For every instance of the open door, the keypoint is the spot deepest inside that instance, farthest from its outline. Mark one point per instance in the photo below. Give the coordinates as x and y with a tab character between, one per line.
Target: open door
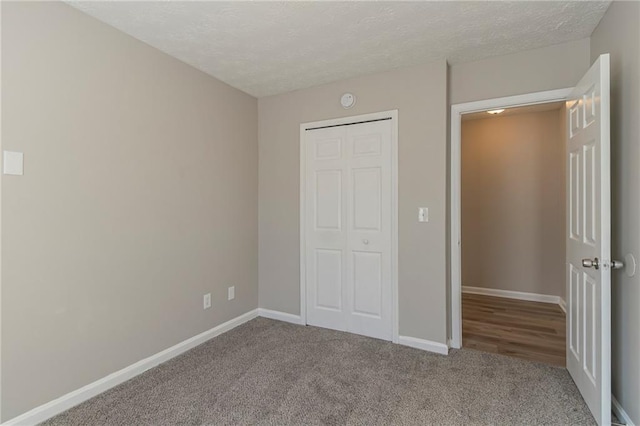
589	240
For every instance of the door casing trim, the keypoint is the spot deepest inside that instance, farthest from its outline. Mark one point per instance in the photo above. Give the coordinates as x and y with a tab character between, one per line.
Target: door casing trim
394	209
457	111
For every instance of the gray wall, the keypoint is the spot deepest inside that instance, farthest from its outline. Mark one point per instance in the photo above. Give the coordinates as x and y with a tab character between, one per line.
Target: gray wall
139	196
419	94
619	35
513	202
548	68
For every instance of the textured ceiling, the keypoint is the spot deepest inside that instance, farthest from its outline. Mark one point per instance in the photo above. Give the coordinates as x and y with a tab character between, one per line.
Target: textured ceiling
265	48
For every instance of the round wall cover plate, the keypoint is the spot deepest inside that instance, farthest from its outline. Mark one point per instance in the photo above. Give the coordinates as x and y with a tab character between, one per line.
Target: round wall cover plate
630	265
347	100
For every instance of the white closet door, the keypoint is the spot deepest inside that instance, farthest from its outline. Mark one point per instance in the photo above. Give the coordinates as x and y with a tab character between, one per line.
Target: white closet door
326	230
369	229
348	228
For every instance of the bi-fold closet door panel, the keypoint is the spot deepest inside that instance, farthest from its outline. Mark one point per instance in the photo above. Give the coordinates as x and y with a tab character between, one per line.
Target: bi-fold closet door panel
348	228
326	227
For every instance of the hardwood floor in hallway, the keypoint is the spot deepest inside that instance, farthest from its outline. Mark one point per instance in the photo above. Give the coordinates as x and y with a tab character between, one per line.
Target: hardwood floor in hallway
528	330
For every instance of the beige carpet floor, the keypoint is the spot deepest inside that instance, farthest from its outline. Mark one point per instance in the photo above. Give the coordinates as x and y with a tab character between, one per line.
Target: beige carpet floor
272	373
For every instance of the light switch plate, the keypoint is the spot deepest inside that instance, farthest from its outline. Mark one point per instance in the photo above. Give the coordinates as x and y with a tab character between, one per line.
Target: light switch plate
13	163
423	214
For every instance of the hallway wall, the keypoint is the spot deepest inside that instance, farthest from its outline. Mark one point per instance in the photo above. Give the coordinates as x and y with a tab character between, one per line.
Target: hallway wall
513	207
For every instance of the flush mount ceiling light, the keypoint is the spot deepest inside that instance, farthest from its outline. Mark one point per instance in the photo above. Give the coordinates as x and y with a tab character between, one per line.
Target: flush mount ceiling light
495	111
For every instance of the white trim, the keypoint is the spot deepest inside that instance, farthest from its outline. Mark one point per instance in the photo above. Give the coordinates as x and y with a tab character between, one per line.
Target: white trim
280	316
508	294
563	305
456	234
425	345
303	215
394	209
619	412
1	178
57	406
395	219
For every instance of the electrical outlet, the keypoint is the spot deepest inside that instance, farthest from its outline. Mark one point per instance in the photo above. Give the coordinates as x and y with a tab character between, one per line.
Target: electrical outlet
206	301
231	293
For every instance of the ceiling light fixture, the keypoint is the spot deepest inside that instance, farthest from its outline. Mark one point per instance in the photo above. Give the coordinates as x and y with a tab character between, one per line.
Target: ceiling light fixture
495	111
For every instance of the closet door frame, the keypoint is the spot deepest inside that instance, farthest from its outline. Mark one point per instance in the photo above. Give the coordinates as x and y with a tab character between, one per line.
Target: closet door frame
393	116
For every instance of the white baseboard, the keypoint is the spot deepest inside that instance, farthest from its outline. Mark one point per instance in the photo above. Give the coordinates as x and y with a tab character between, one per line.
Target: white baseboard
532	297
425	345
563	305
619	412
280	316
57	406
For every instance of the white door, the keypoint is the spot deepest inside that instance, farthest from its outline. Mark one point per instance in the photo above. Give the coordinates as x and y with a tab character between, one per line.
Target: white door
348	228
588	240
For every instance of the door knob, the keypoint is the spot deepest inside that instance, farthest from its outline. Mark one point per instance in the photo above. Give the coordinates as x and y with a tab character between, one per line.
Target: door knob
617	264
588	263
365	242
